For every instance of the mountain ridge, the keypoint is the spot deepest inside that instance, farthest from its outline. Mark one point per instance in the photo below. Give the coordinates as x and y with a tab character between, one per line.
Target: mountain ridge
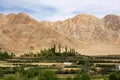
87	34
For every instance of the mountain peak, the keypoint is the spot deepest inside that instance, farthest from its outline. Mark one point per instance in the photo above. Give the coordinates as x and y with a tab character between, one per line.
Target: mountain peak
84	15
20	18
112	22
111	16
85	19
23	14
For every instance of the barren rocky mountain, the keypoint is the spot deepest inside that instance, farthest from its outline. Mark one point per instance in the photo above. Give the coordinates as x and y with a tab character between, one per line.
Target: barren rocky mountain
89	35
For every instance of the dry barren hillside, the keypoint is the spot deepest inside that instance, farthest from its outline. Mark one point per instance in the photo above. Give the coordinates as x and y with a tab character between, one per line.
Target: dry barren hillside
88	34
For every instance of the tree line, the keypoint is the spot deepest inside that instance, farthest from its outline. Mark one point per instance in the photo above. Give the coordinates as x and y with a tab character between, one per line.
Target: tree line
53	51
6	55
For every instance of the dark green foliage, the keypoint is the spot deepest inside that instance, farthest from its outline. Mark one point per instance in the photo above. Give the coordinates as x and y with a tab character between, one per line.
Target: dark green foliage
85	77
77	77
1	72
54	49
52	52
47	52
6	55
11	78
47	75
83	61
94	69
31	73
105	71
114	76
84	70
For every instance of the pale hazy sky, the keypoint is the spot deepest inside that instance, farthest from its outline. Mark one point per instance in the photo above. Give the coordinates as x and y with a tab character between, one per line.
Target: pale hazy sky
60	9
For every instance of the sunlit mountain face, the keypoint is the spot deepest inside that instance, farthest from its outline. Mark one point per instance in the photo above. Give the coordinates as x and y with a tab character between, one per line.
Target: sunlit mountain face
88	34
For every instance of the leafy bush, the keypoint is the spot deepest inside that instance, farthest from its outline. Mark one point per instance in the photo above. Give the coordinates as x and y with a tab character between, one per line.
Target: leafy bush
47	75
114	76
84	76
11	78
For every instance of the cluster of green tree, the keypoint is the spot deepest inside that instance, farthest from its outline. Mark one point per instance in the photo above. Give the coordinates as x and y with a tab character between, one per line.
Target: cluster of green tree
11	78
114	76
33	74
83	61
105	71
83	76
47	75
44	74
6	70
52	52
6	55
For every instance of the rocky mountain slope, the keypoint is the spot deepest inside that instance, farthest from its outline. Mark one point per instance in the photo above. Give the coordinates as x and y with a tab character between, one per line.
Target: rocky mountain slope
88	34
